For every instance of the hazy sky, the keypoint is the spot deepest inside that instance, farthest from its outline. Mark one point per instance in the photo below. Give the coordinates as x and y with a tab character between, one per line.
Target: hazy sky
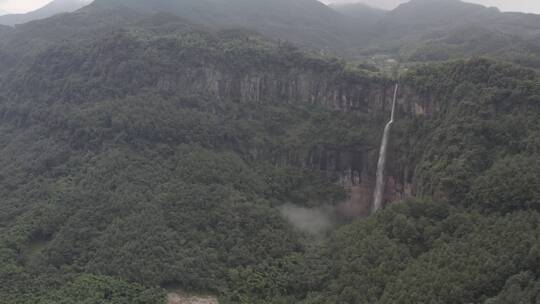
533	6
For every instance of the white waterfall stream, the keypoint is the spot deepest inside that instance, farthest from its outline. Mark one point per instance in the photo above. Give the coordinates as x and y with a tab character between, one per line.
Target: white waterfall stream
380	179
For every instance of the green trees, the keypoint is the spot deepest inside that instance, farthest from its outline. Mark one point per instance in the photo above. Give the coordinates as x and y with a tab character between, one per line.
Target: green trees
511	184
90	289
521	288
484	113
470	267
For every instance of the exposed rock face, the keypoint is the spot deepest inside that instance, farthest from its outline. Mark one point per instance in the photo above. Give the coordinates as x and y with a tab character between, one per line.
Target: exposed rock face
366	95
361	193
414	104
357	169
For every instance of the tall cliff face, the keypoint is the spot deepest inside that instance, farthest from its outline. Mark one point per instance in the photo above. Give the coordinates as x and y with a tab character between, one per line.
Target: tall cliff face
328	88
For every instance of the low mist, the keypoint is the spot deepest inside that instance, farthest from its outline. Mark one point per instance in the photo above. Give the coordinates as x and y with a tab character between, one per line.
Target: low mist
310	220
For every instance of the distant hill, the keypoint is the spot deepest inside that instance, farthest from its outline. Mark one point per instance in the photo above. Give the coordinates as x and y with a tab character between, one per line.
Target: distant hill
51	9
419	17
360	12
420	30
307	23
426	30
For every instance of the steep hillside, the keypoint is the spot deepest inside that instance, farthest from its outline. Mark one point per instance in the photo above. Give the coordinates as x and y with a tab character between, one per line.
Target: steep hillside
115	163
51	9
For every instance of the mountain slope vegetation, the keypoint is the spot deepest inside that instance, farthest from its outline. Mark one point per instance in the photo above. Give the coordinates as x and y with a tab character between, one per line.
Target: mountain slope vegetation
87	196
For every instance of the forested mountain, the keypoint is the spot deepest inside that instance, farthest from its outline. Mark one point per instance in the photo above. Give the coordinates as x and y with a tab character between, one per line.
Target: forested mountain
422	30
51	9
307	23
144	152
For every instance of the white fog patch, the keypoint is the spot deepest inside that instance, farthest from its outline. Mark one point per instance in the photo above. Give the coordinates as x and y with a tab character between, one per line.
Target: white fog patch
310	220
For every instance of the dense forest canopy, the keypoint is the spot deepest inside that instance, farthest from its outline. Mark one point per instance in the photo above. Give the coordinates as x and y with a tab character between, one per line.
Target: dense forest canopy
142	153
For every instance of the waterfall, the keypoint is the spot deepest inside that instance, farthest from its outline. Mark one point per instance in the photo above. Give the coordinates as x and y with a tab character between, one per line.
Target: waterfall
380	180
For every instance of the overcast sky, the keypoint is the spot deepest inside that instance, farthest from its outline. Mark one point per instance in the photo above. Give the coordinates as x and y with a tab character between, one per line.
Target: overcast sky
533	6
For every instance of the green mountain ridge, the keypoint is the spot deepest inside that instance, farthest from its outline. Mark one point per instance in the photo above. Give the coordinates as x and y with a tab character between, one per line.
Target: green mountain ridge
411	32
307	23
